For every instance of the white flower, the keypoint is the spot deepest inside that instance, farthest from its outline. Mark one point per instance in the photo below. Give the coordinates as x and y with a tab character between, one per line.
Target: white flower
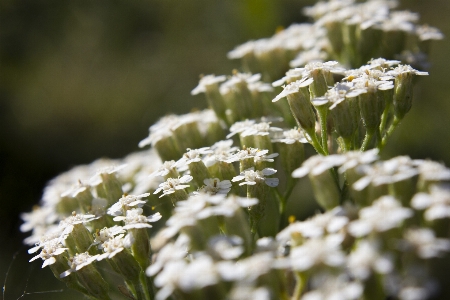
135	219
224	146
433	171
193	155
390	171
401	69
167	279
239	127
40	216
291	76
206	81
51	233
252	177
106	233
173	184
68	223
384	214
316	165
358	158
199	273
425	32
262	128
436	204
306	77
424	242
223	151
237	79
125	203
226	247
321	8
246	270
293	88
414	293
252	153
214	186
227	206
318	251
164	169
377	63
330	287
337	94
78	262
291	136
170	252
111	247
51	249
366	258
330	222
241	50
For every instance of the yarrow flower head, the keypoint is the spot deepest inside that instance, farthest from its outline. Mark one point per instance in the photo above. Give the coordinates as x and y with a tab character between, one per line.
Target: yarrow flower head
252	177
206	82
127	202
106	233
135	219
384	214
214	186
78	262
50	250
173	184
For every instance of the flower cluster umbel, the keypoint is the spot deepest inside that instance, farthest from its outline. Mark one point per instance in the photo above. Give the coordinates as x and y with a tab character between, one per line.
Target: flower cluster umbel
209	212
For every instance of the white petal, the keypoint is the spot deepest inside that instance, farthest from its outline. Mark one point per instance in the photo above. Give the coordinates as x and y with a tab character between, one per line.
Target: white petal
272	182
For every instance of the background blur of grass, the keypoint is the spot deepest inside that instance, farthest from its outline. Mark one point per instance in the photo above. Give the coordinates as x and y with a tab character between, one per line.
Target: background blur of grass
84	79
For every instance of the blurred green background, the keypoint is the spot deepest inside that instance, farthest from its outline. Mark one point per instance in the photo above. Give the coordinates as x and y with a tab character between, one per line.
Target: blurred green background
81	80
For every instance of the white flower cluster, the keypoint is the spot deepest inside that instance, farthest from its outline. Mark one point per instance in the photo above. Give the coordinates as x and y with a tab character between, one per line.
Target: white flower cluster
209	212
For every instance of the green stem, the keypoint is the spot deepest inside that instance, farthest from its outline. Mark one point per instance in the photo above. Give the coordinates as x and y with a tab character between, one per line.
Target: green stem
367	139
379	139
311	136
348	144
391	129
282	208
344	192
335	175
299	285
384	118
139	287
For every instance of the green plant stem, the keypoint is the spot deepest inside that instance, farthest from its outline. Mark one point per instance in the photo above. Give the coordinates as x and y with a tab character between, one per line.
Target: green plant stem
348	144
299	285
384	118
379	139
311	136
344	192
282	207
367	139
391	129
335	175
143	287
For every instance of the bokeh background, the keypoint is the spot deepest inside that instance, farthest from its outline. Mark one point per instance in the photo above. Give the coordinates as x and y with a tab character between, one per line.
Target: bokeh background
81	80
